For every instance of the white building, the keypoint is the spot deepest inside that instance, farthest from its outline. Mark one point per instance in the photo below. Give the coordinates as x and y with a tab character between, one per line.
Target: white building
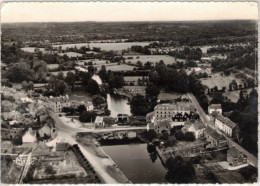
99	122
197	128
216	108
89	106
58	103
226	125
29	136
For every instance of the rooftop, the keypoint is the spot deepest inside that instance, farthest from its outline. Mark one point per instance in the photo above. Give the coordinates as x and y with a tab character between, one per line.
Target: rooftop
226	121
233	152
214	134
215	106
174	106
62	146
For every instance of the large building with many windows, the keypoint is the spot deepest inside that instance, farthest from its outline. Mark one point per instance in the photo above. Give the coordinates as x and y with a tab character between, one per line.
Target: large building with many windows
226	125
169	111
57	103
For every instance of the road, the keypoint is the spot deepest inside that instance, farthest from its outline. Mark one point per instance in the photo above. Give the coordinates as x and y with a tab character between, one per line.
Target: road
205	119
69	133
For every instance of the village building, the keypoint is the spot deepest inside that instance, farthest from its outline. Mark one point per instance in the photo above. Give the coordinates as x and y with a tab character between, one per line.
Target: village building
99	122
215	108
162	125
198	128
178	111
88	105
134	90
58	103
226	125
122	119
29	136
62	147
215	139
235	157
48	130
149	117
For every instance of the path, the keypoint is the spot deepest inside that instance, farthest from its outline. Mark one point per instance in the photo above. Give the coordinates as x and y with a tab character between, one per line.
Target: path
205	119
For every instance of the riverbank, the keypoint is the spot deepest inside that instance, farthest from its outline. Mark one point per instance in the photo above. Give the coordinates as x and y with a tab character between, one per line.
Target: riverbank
89	143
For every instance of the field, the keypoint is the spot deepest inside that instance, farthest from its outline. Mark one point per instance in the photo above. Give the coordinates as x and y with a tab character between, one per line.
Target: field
94	61
32	49
219	81
105	46
80	96
234	95
151	58
71	54
170	96
118	67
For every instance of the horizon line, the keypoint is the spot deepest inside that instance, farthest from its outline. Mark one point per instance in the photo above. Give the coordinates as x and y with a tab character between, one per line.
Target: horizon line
199	20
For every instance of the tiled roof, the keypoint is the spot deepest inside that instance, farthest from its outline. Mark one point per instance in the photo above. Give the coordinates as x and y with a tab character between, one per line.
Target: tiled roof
215	106
226	121
214	134
233	152
174	106
198	125
149	114
62	146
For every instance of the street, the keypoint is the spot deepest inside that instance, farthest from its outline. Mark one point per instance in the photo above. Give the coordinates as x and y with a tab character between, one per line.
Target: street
251	158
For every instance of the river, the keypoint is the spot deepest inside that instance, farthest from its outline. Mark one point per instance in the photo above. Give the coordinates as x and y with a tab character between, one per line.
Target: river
137	163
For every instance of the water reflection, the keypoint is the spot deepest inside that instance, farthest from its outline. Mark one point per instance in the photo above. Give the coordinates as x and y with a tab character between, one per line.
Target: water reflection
134	161
118	105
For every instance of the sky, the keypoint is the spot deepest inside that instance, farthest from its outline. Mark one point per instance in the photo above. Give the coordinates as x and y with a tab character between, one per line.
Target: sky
127	11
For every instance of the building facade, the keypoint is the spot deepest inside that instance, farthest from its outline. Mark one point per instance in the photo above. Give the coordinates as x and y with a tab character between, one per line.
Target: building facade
215	140
226	125
58	103
215	108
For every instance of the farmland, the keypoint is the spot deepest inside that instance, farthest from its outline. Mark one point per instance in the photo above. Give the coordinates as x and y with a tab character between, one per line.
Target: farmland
52	66
219	81
118	67
104	46
64	72
151	58
234	95
71	54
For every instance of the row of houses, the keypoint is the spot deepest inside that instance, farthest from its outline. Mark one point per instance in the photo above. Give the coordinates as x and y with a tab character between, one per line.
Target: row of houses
223	123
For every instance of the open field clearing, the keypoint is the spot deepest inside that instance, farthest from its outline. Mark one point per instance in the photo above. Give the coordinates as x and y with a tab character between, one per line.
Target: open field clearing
151	58
94	62
118	67
32	49
71	54
171	96
104	46
219	81
234	95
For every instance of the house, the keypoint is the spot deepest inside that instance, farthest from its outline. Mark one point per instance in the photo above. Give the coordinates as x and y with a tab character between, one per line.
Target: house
216	108
215	139
131	134
235	157
40	149
29	136
134	90
58	103
48	130
62	146
149	117
99	122
226	125
162	125
122	118
197	128
89	106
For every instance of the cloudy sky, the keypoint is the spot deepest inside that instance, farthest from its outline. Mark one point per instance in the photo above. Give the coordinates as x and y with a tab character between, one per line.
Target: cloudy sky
127	11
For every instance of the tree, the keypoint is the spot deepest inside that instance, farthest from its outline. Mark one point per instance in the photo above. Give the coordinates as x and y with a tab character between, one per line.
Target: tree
93	87
60	76
139	63
25	85
154	77
30	85
179	171
103	73
139	105
189	136
98	100
151	134
49	170
87	116
70	79
152	91
61	87
91	69
81	108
